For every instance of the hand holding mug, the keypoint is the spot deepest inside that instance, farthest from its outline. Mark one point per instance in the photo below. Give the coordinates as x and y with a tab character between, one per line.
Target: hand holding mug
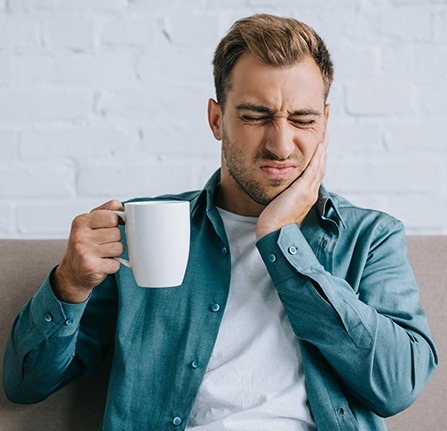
93	244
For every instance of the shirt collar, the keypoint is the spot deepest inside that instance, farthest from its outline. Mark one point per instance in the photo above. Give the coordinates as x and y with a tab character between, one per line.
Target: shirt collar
327	207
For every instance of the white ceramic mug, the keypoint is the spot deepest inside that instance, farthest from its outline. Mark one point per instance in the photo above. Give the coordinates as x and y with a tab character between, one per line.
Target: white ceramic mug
157	234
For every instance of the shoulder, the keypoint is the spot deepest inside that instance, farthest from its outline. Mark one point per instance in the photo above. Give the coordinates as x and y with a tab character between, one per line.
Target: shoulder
360	218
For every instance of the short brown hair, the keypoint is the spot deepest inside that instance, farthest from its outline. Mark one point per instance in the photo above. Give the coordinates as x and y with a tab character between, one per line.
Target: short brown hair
274	40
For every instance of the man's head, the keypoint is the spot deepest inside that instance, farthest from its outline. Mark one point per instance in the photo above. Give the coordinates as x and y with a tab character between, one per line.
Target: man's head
272	80
275	41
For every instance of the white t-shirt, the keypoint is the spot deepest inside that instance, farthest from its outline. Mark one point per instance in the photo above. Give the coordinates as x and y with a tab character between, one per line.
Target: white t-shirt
254	380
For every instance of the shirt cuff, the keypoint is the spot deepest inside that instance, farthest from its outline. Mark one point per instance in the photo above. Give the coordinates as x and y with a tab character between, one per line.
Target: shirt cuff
286	252
50	314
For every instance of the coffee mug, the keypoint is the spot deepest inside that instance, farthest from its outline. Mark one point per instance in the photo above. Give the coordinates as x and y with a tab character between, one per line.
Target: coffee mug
157	234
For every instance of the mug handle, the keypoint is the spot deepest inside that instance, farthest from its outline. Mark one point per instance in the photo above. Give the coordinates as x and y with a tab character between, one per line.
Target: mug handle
122	216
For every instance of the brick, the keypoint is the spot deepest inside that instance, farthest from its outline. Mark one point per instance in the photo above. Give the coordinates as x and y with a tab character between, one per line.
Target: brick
425	136
378	97
189	29
440	24
49	219
191	66
355	62
195	142
67	32
31	179
4	68
18	32
384	175
354	138
8	144
431	99
6	221
76	143
408	24
429	63
42	103
336	99
397	63
365	26
417	2
125	30
420	213
71	6
176	102
75	68
133	179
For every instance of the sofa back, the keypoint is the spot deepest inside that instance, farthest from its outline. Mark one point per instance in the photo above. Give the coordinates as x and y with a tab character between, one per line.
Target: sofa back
78	407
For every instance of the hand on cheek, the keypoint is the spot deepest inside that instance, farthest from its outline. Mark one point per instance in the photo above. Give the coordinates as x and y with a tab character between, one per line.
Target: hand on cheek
294	203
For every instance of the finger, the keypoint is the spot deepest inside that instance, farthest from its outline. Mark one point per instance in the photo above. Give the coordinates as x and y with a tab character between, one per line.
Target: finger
99	219
106	265
106	235
110	265
113	249
316	167
113	205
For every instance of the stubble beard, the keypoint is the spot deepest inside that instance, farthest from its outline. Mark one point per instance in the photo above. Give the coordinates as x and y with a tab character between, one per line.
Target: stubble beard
244	175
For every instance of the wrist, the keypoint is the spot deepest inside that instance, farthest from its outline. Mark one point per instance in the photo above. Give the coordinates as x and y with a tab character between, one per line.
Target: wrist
65	290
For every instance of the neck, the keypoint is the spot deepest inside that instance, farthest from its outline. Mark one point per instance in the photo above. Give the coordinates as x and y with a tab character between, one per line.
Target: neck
238	203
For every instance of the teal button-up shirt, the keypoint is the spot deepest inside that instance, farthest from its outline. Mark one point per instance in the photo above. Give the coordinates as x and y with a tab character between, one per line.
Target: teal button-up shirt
345	283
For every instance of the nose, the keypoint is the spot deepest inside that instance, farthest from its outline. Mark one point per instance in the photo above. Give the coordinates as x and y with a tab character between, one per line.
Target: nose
280	139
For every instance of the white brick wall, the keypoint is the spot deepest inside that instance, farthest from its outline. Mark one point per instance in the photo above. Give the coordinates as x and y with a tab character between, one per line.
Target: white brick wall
107	98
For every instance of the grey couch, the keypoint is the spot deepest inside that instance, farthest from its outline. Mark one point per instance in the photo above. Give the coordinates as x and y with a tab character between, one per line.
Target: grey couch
25	263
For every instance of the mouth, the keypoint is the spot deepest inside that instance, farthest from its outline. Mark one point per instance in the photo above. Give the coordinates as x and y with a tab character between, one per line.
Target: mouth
277	170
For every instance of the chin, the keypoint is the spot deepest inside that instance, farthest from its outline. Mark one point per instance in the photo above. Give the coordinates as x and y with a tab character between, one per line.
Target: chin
265	197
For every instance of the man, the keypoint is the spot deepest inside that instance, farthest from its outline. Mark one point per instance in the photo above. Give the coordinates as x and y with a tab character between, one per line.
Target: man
298	310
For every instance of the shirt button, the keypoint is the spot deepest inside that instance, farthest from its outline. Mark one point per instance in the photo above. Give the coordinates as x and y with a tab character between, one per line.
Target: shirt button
48	317
325	243
292	249
69	322
272	257
195	364
215	307
177	421
224	251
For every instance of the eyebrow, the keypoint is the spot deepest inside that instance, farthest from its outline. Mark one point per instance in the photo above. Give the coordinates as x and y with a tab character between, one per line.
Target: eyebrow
265	110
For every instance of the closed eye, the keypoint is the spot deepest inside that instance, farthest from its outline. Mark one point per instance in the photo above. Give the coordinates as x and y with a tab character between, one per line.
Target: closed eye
250	119
303	123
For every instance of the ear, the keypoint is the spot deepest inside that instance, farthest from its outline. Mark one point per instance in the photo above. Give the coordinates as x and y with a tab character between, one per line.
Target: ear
327	109
215	118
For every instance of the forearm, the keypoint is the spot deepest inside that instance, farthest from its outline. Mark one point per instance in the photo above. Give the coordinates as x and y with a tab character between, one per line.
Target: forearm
381	348
52	343
41	347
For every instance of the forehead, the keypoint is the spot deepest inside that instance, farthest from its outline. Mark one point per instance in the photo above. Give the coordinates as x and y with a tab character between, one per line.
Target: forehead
279	88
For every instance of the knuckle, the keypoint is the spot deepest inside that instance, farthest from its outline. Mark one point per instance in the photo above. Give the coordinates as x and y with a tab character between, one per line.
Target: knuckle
89	266
79	221
114	266
118	248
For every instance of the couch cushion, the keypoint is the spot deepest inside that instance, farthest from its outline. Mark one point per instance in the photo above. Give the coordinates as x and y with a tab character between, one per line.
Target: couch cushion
78	407
428	256
23	266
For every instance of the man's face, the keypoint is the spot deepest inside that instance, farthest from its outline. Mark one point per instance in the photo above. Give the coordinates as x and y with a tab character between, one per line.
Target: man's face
273	120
